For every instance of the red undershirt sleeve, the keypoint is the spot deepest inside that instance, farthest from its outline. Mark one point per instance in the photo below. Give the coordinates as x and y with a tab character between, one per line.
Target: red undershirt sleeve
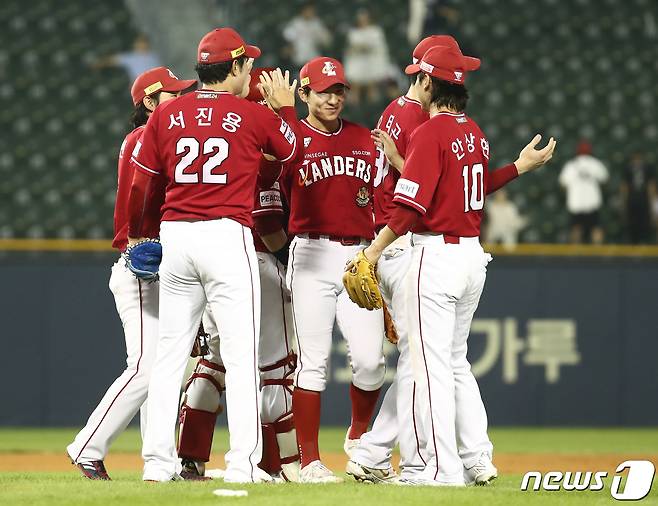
500	177
403	219
137	202
268	224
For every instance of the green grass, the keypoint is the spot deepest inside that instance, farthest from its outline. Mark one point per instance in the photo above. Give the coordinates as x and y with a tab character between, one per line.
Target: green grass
506	440
60	489
127	489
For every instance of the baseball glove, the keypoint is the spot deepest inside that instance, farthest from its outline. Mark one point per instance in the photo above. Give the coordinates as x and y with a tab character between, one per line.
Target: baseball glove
389	327
360	280
143	259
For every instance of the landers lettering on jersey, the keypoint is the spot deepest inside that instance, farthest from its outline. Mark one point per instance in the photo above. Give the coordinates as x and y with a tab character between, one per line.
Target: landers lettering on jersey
313	171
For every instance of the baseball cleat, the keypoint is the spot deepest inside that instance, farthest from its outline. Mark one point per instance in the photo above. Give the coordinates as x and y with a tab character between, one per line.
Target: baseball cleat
257	476
482	473
278	478
215	473
350	444
290	471
422	482
317	472
366	474
94	470
175	477
193	470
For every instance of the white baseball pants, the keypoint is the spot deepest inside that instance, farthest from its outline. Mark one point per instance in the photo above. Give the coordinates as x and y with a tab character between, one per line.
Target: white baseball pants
315	272
211	261
444	284
137	305
398	419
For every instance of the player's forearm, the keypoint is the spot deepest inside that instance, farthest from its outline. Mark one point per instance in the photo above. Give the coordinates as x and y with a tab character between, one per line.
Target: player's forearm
396	161
383	240
401	222
275	240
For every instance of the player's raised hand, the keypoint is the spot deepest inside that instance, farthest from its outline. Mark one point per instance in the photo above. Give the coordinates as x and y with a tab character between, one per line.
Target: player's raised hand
276	89
385	142
531	158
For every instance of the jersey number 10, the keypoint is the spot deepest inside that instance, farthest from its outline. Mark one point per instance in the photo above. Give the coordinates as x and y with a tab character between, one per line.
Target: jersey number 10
190	146
474	192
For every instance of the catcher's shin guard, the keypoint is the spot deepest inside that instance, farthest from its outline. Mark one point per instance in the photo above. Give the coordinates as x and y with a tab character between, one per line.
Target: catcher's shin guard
286	438
270	461
280	451
199	411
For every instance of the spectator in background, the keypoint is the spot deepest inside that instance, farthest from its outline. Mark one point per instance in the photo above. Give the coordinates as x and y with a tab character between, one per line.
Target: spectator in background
367	62
638	192
306	35
582	177
134	62
504	220
430	17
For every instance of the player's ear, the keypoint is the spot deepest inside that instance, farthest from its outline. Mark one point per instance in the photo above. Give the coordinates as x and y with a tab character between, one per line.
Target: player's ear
303	94
150	103
426	82
236	69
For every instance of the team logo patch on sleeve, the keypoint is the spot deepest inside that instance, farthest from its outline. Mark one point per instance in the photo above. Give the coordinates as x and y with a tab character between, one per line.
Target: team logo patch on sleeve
363	197
407	188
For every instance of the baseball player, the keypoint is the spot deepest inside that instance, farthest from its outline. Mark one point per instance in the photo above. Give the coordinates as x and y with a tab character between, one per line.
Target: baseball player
136	301
440	198
208	146
276	357
331	219
398	418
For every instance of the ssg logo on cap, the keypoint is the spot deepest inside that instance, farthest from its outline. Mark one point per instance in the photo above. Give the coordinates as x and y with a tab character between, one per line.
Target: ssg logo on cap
329	69
237	52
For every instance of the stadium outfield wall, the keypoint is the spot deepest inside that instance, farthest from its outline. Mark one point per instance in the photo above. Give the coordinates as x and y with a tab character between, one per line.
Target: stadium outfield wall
557	340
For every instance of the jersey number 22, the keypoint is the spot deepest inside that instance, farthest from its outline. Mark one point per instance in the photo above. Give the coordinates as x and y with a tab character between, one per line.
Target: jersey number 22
190	146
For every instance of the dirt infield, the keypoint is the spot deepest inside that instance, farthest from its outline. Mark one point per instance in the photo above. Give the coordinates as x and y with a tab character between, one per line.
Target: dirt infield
507	463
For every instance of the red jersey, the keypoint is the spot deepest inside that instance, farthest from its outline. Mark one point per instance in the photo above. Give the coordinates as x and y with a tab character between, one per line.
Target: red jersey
445	175
208	144
125	177
331	190
270	202
399	120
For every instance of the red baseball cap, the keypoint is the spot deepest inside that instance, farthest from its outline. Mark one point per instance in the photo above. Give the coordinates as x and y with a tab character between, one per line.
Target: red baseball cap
158	79
322	72
254	93
224	44
439	40
447	63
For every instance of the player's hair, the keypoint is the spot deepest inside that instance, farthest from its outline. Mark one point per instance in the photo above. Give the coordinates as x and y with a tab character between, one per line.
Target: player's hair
214	73
140	114
413	78
446	94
